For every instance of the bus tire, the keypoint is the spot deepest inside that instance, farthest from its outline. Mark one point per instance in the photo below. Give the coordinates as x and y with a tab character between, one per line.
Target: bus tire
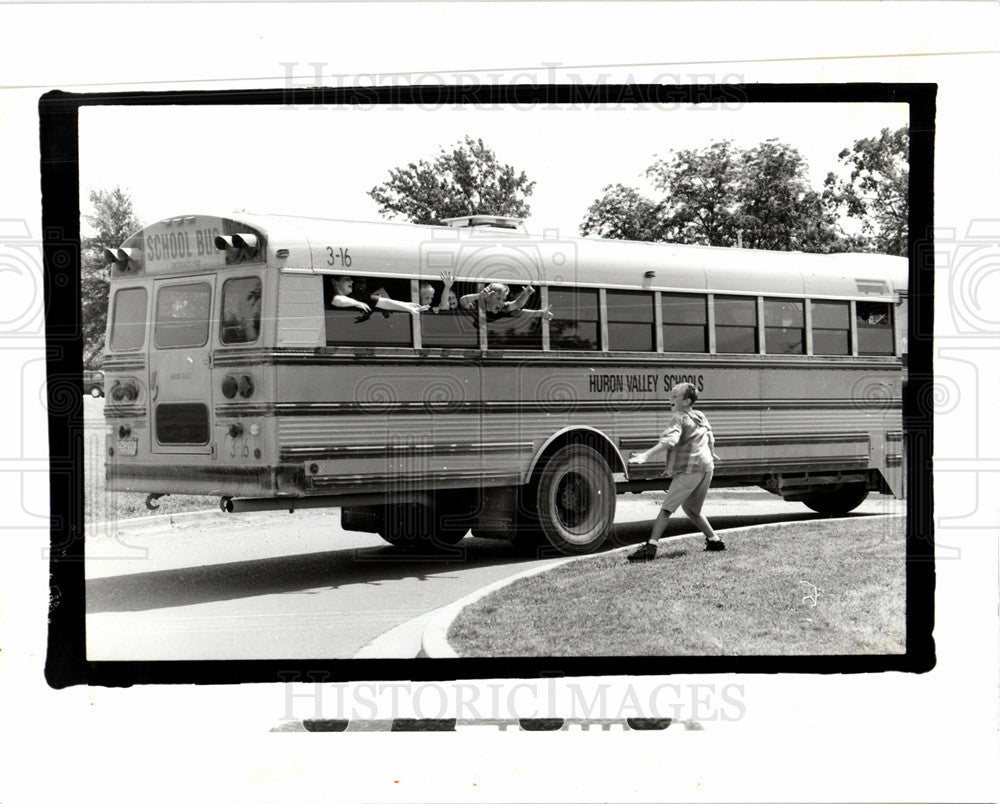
527	537
414	526
451	517
576	500
405	525
838	501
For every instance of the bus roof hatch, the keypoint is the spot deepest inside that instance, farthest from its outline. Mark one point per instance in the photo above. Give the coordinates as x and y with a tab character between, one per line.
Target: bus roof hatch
495	221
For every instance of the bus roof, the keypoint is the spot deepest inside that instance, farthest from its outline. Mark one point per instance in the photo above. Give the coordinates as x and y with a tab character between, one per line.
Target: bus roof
472	253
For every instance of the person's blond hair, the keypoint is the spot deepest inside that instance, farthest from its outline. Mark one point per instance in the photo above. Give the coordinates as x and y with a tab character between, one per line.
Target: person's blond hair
690	392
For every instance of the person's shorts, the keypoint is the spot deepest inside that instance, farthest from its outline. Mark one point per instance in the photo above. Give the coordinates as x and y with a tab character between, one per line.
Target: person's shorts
689	490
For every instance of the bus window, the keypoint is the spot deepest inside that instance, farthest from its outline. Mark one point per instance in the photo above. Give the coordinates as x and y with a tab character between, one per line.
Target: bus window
630	321
128	321
515	330
182	315
577	319
736	324
351	326
831	327
874	328
444	325
685	322
181	423
784	327
240	310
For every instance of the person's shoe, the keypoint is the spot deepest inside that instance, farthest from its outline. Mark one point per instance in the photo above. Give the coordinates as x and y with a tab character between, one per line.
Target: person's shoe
714	544
646	552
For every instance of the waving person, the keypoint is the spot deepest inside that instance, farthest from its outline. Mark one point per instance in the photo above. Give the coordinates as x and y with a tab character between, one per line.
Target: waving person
690	444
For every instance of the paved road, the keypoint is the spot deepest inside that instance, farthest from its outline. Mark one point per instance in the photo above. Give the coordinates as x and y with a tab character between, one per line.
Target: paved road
295	586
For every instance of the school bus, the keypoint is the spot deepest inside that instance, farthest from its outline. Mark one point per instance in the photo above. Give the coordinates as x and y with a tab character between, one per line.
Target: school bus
231	371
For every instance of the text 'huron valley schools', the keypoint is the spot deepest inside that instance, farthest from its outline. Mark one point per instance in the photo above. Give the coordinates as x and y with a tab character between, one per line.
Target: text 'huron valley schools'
641	383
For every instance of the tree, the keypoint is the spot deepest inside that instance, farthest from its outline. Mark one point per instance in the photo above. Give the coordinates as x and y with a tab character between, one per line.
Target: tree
876	191
778	208
467	180
699	188
622	213
721	195
112	220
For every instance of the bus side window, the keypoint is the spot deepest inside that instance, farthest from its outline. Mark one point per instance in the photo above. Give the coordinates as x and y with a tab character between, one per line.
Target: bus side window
874	328
515	330
631	321
444	325
735	324
240	310
831	327
577	323
784	322
685	322
352	326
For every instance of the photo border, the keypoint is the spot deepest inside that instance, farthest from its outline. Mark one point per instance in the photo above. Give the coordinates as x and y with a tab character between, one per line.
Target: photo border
66	662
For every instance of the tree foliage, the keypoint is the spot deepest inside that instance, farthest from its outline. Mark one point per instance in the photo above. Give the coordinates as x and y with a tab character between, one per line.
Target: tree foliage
877	189
466	180
699	189
622	213
113	220
761	197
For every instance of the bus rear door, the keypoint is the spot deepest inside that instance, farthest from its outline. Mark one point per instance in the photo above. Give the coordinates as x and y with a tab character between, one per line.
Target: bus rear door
180	365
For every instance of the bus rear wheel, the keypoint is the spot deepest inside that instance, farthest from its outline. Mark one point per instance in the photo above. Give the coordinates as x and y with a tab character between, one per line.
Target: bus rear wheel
415	525
836	502
576	500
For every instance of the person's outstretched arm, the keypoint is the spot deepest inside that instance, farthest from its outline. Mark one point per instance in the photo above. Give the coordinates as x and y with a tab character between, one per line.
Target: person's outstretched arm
667	442
346	301
385	303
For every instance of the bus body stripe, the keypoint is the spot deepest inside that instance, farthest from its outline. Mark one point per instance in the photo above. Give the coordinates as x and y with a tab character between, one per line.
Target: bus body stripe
421	359
543	408
360	451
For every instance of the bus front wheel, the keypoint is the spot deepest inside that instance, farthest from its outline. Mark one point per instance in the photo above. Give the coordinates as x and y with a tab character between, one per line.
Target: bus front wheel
837	502
576	500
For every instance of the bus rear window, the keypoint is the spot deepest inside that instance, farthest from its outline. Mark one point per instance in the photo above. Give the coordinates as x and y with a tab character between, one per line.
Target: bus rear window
241	310
128	320
182	423
182	315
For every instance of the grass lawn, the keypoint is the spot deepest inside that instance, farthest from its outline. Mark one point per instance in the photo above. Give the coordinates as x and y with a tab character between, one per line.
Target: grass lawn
101	505
755	598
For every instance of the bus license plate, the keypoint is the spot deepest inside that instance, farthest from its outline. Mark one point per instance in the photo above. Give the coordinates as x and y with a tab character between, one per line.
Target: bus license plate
127	446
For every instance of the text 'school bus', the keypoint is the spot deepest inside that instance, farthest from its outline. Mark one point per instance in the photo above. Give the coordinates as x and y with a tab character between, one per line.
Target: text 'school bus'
229	371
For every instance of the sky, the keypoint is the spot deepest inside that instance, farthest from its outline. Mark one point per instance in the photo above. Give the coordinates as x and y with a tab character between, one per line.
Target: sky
322	162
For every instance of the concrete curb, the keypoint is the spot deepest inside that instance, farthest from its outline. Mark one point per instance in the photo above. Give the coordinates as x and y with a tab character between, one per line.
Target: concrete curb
166	521
435	645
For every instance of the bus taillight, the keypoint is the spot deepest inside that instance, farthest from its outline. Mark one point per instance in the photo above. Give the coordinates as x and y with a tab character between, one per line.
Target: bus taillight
123	258
242	385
